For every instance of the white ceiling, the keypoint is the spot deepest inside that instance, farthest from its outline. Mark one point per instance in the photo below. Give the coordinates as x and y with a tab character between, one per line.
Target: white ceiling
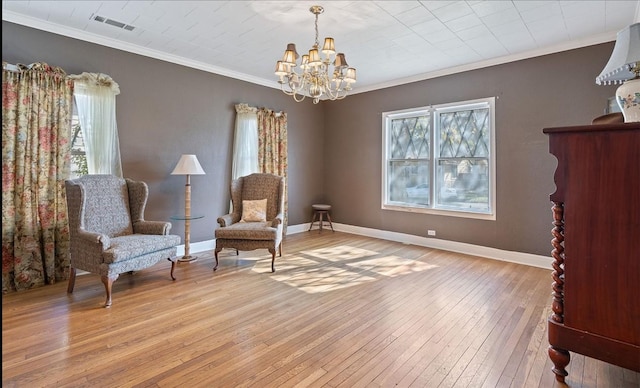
388	42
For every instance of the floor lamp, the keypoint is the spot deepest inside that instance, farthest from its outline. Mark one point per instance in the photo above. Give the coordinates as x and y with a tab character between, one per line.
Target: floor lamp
187	165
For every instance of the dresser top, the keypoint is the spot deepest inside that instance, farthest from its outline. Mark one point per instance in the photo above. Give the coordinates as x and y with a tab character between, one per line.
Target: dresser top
593	128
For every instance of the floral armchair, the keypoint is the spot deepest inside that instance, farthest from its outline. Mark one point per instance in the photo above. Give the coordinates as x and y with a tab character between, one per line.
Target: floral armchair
108	232
256	221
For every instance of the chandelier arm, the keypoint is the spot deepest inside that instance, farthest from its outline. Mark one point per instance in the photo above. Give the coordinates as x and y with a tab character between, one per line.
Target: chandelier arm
341	92
334	93
298	94
287	92
337	96
331	94
295	89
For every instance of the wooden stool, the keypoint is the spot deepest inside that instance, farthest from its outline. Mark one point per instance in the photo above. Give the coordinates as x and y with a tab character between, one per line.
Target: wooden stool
319	212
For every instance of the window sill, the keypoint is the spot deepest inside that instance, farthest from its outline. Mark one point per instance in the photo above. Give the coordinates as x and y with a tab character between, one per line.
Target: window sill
441	212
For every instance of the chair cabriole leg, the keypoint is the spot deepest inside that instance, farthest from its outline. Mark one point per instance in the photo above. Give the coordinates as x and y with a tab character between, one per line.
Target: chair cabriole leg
173	266
108	285
273	259
215	253
72	280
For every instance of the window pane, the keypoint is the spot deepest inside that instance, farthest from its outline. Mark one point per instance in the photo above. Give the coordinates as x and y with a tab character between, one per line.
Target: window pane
464	134
408	182
409	138
78	154
463	184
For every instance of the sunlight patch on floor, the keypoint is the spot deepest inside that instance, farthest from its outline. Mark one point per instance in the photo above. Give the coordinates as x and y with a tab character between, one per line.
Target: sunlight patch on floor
392	266
283	264
322	279
333	268
340	253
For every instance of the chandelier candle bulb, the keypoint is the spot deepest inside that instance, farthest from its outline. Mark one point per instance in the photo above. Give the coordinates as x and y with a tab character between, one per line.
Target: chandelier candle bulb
314	77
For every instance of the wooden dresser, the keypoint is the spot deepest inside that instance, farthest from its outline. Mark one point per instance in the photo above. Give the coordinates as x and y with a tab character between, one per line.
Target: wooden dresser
596	245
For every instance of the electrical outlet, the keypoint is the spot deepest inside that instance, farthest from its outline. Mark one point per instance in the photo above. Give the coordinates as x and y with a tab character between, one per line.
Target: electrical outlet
431	232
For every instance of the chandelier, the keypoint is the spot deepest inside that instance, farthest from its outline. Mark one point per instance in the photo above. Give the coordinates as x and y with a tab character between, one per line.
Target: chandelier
314	77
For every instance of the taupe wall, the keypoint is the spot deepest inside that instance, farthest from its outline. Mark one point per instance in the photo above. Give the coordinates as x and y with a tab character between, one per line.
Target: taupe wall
553	90
165	110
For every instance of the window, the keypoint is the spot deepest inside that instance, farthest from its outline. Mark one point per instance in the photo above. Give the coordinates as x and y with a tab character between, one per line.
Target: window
95	103
440	159
78	152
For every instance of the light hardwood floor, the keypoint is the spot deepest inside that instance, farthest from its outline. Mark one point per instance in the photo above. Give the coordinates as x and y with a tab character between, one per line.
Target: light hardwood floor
340	311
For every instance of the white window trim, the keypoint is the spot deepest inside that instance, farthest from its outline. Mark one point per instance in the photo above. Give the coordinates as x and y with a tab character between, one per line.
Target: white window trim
432	110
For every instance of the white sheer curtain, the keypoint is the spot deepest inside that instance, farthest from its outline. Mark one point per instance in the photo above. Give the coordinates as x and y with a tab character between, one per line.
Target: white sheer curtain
95	96
245	142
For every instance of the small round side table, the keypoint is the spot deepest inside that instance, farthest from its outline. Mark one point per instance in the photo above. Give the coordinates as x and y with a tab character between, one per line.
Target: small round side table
187	258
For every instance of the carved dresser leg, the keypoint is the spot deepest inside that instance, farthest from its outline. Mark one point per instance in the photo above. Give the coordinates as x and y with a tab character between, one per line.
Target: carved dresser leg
560	359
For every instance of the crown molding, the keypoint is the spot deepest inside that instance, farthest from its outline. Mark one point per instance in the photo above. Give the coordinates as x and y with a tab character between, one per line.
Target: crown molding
43	25
593	40
54	28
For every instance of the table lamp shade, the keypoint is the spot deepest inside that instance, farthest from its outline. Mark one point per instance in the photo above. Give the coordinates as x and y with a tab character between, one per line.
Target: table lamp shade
626	53
624	68
188	165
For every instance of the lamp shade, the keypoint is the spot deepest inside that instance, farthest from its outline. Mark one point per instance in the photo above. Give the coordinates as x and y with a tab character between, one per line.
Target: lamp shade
292	47
281	68
188	165
351	75
290	55
314	57
329	47
626	53
340	62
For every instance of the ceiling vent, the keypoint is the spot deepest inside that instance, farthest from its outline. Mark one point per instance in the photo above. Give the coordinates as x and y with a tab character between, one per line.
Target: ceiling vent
112	22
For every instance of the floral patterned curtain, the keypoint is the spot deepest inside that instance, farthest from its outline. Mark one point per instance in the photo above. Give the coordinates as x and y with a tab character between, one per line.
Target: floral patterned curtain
272	147
36	126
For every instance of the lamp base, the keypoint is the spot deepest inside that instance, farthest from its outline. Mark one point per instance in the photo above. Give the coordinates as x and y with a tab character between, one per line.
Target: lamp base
628	97
188	259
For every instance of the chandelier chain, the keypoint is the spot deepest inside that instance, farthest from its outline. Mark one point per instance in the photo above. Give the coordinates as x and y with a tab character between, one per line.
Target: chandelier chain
317	43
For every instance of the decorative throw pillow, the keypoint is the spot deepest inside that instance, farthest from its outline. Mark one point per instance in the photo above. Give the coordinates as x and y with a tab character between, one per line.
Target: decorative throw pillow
254	211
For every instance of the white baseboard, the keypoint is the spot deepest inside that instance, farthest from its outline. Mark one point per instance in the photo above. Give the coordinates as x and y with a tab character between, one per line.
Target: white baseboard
429	242
453	246
201	246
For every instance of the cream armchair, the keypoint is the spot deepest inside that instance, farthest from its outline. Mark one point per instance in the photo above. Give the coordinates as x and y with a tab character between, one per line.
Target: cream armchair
108	232
256	221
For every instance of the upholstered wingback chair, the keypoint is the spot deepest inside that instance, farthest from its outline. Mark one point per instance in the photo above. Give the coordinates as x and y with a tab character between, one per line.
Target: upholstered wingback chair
253	224
108	232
